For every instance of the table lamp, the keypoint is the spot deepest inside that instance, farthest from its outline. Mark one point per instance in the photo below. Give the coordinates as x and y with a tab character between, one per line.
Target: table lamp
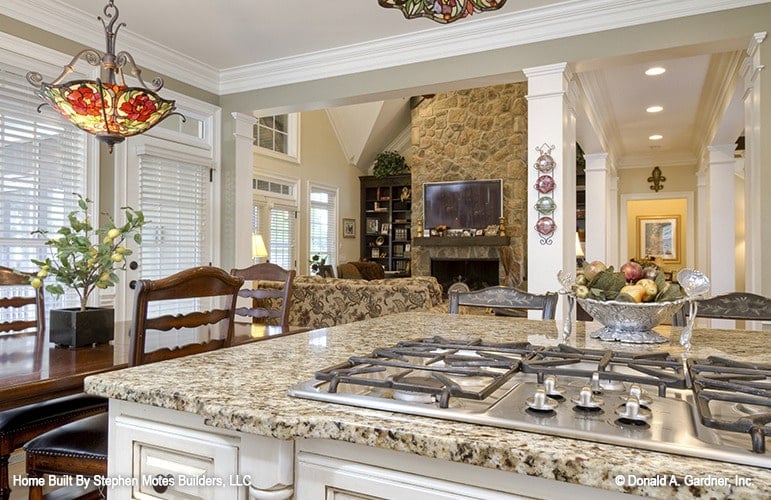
579	251
258	248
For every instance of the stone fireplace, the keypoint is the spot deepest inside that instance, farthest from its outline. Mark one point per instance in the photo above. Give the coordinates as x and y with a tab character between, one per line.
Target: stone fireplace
474	273
473	134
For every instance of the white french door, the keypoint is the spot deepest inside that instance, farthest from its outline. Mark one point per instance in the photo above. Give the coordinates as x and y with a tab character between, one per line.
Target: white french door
174	191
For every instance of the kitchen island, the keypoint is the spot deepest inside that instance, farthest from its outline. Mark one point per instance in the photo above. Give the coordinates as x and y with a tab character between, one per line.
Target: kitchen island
226	416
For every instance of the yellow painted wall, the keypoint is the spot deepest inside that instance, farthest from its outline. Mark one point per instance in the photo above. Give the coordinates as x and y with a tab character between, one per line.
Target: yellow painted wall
322	162
678	179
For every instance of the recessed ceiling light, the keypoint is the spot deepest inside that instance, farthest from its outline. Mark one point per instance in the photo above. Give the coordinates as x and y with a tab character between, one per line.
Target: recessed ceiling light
654	109
656	137
656	70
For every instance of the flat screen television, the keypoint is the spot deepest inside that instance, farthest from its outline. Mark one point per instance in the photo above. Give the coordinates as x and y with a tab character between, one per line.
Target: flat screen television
462	204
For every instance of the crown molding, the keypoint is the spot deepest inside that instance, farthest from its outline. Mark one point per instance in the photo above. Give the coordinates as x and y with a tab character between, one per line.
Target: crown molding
84	28
570	18
650	161
722	78
599	111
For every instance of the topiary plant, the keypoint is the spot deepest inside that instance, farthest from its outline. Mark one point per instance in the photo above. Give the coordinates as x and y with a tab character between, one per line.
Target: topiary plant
389	163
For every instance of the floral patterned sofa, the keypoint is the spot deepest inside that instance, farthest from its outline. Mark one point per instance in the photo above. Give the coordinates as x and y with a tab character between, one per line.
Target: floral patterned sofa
320	302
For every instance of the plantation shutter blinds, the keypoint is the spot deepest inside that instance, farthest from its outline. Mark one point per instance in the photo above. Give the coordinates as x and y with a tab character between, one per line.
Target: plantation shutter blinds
174	197
323	219
282	236
42	163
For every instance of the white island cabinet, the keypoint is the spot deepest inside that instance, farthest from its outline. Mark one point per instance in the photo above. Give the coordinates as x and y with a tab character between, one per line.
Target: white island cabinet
221	425
158	453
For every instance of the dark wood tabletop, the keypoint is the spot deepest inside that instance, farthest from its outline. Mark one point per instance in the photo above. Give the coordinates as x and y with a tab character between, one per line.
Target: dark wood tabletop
32	370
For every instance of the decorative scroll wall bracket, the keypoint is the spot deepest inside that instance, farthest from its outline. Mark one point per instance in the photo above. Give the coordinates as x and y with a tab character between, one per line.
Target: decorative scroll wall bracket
656	178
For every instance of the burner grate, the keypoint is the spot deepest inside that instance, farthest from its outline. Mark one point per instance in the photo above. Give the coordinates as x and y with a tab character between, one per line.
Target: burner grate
433	366
657	369
717	379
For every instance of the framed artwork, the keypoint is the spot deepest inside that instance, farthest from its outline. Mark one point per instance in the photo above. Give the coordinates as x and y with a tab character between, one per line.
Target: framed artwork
385	228
660	236
349	228
372	226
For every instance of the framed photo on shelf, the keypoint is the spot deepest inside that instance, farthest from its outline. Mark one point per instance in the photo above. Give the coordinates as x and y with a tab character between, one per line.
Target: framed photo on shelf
349	228
385	228
372	226
659	236
375	253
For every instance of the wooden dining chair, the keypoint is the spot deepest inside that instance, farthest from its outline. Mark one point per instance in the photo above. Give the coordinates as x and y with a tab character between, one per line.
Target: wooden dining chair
26	312
19	425
80	448
733	305
504	299
270	304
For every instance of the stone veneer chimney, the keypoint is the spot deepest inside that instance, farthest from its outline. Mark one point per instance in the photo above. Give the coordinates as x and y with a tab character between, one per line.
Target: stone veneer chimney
473	134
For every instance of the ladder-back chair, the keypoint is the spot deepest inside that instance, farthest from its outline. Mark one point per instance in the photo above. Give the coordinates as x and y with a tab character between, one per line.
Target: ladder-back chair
270	304
19	425
503	299
80	448
733	305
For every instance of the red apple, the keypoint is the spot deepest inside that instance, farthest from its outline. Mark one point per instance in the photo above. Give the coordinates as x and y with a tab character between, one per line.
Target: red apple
632	271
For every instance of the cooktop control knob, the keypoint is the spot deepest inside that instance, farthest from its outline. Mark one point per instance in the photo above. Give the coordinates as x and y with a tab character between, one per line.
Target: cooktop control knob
541	402
551	388
635	391
632	411
587	399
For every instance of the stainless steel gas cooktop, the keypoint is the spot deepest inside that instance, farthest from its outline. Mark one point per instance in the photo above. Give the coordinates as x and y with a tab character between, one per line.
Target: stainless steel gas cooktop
709	408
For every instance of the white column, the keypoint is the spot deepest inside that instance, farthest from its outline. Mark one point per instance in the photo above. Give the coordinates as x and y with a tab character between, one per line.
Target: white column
244	127
752	73
597	207
551	121
702	222
722	238
613	240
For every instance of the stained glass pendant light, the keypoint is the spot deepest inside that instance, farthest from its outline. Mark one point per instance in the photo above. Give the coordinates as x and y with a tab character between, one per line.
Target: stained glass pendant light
441	11
109	109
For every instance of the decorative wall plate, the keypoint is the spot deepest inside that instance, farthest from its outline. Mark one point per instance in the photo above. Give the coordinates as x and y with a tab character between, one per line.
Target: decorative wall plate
545	184
546	226
546	205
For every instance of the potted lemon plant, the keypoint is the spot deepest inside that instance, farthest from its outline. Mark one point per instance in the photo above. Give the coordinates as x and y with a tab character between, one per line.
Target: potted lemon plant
84	259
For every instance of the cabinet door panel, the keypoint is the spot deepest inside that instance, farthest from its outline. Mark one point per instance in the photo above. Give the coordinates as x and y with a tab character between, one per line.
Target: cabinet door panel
329	478
173	462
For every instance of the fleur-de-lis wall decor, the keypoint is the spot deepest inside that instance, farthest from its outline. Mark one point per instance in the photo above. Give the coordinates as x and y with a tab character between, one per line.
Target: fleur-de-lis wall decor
656	178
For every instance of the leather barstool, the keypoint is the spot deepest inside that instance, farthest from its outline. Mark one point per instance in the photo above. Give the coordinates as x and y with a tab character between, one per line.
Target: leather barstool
19	425
82	445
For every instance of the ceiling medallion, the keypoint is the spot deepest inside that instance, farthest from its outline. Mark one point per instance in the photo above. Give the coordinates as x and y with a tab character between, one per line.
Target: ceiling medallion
441	11
109	109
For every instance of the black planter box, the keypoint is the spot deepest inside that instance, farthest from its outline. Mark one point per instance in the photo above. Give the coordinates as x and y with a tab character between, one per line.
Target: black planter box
75	328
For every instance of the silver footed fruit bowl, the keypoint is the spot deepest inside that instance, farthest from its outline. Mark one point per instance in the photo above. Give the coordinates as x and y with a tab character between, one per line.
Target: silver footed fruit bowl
630	321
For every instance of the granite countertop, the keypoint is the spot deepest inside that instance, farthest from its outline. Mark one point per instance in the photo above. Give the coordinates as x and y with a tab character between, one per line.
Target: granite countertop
244	388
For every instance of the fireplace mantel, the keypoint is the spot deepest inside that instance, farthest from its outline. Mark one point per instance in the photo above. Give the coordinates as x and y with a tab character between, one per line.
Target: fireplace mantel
461	241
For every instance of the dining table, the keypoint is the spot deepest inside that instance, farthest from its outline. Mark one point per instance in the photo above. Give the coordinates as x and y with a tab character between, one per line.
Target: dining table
32	369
